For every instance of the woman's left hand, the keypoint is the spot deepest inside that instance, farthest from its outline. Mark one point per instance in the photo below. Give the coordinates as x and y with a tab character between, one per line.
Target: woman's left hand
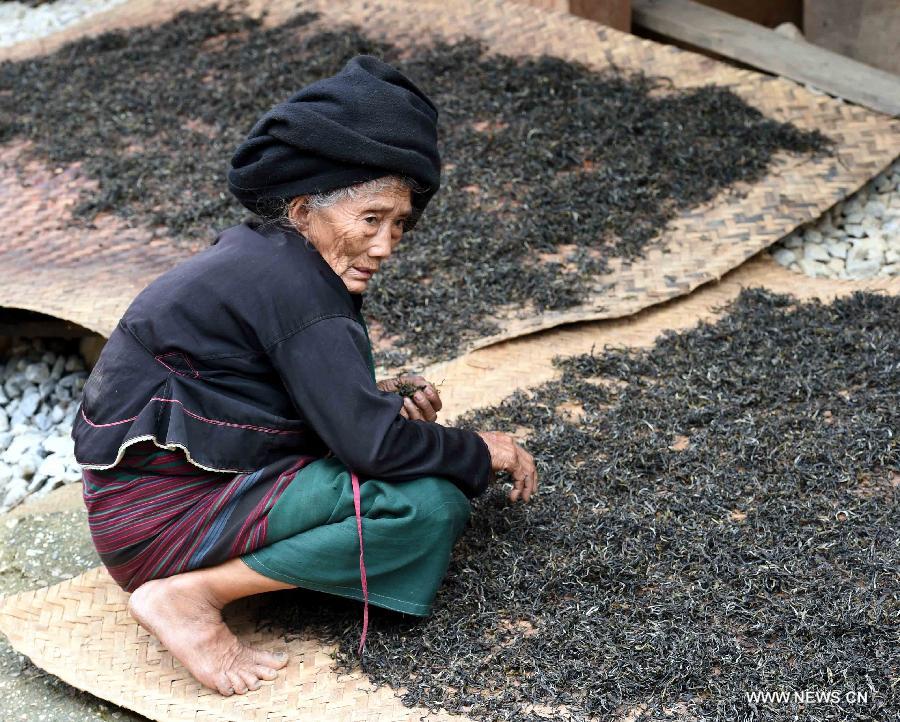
423	405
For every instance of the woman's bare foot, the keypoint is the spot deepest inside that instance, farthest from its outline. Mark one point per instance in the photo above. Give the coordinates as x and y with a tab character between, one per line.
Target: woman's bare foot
186	617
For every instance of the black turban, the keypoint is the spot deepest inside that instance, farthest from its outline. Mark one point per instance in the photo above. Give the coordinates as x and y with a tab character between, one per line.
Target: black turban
367	121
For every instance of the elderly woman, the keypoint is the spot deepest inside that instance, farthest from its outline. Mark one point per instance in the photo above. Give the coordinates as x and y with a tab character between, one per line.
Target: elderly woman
233	437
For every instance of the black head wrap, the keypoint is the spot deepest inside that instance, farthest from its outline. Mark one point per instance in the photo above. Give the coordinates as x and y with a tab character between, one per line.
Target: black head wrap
367	121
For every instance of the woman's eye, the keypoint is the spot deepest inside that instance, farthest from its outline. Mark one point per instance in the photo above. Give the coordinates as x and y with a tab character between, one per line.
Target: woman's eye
371	219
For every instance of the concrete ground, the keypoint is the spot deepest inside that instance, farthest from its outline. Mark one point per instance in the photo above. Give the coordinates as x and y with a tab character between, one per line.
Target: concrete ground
43	543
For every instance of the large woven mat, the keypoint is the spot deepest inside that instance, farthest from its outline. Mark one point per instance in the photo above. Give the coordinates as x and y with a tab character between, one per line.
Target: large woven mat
80	630
89	277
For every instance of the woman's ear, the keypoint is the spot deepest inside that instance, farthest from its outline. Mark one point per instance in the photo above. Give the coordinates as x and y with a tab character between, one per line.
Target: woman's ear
298	213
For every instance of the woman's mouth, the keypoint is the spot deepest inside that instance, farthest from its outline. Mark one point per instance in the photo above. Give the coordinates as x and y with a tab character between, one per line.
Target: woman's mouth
363	272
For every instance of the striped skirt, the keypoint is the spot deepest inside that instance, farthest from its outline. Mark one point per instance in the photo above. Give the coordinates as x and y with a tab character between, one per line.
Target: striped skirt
155	514
301	521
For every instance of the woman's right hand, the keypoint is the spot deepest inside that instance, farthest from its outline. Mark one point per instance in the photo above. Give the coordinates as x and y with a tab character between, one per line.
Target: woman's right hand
507	455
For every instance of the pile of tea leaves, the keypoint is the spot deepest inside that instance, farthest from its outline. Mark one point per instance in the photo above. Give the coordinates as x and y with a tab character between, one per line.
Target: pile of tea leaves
716	516
550	168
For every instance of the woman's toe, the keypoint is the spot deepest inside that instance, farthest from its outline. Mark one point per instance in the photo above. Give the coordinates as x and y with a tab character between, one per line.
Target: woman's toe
224	685
250	679
264	672
240	687
274	660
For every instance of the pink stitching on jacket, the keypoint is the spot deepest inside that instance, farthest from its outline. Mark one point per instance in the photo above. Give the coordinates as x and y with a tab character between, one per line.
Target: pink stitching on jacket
217	422
111	423
184	357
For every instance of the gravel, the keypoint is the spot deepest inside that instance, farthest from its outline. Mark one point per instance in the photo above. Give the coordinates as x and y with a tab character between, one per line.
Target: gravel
855	240
27	21
40	387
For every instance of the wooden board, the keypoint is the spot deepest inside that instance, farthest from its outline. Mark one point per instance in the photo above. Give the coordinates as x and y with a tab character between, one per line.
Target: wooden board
866	30
760	47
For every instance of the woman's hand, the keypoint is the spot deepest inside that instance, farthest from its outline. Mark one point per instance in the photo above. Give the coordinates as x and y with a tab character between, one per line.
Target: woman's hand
420	399
507	455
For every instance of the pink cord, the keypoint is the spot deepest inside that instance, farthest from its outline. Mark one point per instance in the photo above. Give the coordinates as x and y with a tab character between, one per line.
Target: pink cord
362	565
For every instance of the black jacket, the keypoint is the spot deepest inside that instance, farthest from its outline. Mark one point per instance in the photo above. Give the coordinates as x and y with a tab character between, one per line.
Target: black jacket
254	349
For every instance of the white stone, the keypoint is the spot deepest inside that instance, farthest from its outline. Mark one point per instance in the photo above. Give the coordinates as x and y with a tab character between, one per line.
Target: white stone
892	255
815	253
811	235
20	22
11	387
53	466
46	388
58	367
27	465
855	230
57	414
875	209
62	445
811	268
48	486
36	373
42	421
72	380
837	249
883	183
4	399
869	247
5	473
35	483
31	399
872	228
825	226
6	438
16	490
861	268
21	445
72	474
851	207
836	265
784	256
19	429
792	241
4	421
19	418
891	269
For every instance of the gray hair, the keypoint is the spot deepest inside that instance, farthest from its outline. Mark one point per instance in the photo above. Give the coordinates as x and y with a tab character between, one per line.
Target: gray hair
320	201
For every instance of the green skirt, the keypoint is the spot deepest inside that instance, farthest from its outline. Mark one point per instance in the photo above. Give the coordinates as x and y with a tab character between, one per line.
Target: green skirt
408	530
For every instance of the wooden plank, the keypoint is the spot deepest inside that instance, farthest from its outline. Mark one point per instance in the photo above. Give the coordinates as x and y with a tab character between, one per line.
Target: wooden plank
763	12
865	30
765	49
613	13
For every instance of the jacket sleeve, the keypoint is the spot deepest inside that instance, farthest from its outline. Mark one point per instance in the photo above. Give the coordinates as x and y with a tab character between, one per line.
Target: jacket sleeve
325	370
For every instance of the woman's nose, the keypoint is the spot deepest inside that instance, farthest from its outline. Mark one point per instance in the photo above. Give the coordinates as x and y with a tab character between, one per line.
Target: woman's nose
382	244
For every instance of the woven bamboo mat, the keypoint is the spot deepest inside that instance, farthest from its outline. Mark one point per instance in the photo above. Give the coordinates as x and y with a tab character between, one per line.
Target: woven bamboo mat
488	375
80	630
89	277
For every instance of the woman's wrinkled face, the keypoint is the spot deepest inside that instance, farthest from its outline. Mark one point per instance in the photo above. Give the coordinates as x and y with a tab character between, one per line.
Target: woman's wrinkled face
356	236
